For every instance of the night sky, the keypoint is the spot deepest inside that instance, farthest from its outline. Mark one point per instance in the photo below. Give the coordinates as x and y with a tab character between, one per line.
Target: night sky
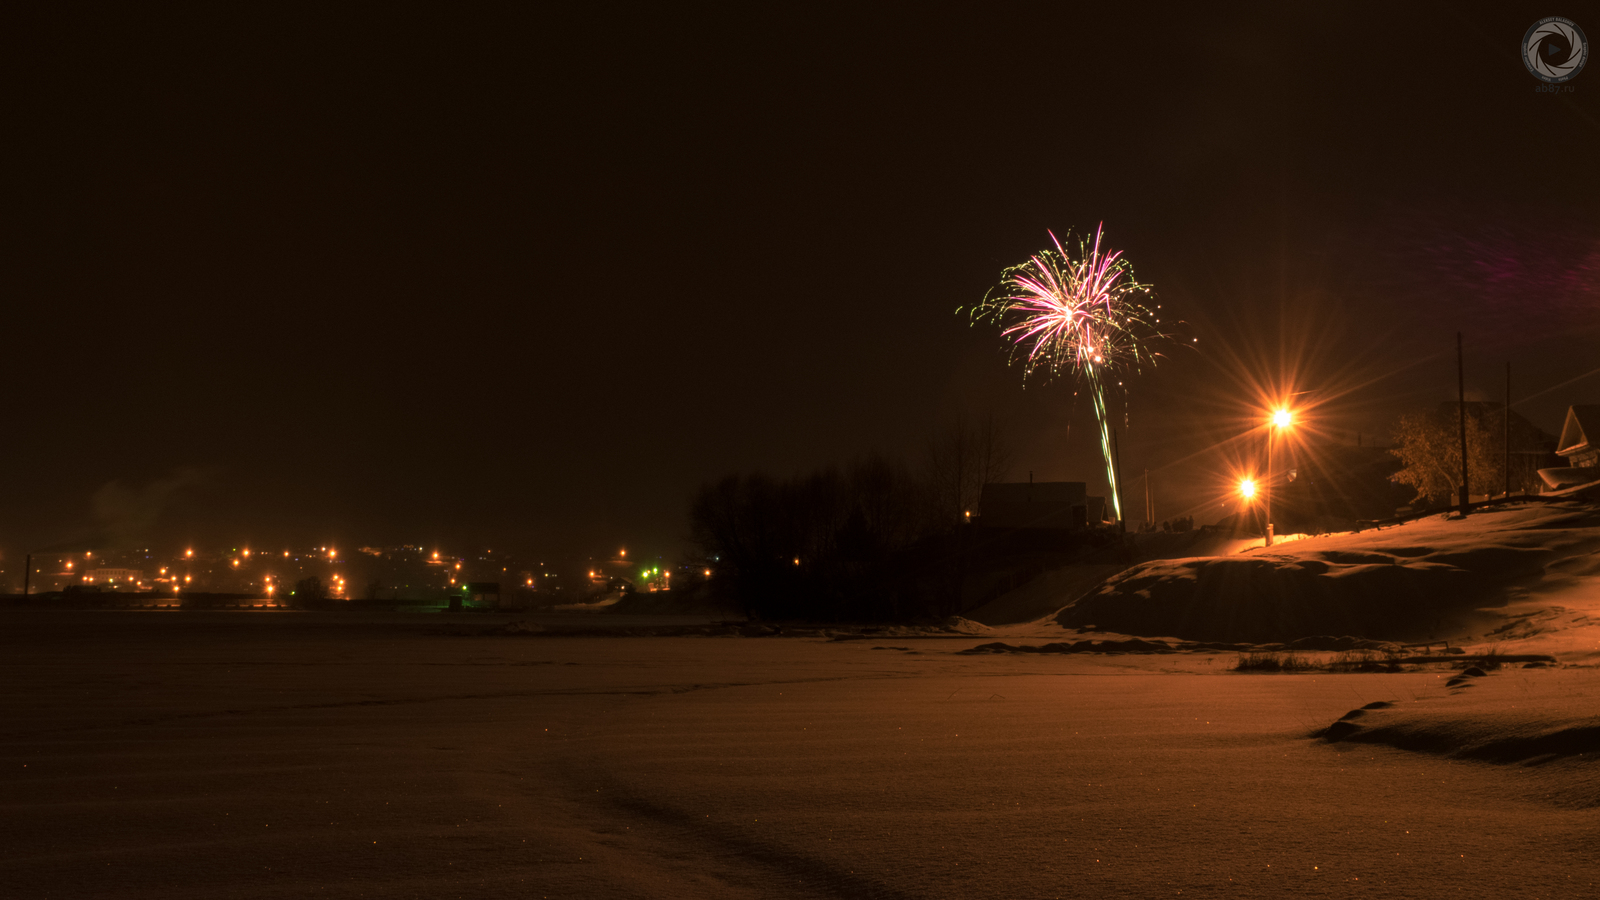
528	278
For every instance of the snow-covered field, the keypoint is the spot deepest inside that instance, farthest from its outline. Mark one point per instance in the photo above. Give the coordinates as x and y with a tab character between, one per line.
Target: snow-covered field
271	754
288	756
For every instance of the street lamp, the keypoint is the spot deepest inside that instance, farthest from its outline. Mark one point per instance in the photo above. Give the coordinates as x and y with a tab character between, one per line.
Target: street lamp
1281	419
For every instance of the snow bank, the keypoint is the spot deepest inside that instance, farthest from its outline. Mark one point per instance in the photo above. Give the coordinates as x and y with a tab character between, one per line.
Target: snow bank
1044	595
1498	717
961	625
1409	582
673	603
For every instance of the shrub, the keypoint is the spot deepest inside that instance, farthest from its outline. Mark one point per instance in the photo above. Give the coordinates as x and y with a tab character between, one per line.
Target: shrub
1365	661
1271	661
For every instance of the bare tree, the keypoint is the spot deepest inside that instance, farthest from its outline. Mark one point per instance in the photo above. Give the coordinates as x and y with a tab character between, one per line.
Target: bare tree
1429	446
961	460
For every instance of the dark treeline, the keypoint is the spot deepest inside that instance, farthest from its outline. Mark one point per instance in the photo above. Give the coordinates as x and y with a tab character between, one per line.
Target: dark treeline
875	540
831	544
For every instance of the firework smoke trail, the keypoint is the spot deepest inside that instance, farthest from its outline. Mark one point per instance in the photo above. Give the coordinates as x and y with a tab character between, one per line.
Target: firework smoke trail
1079	315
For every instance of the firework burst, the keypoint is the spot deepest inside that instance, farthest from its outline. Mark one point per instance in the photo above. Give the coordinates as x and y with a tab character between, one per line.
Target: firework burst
1078	315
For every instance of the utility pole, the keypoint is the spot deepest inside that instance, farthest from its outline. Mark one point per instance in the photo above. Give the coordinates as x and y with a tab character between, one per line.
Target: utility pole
27	572
1508	430
1461	394
1149	504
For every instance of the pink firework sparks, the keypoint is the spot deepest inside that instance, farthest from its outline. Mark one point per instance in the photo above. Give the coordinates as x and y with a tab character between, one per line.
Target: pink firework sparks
1072	313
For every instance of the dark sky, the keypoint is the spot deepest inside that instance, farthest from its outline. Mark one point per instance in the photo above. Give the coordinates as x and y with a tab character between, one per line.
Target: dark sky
527	278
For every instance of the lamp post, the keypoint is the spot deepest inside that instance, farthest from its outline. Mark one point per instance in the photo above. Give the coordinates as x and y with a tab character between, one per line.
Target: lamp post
1280	419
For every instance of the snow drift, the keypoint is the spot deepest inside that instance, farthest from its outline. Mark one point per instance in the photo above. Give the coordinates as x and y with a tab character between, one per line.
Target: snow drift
1499	717
1408	582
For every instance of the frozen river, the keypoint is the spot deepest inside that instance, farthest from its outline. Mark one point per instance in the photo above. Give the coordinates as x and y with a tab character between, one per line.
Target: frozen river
305	755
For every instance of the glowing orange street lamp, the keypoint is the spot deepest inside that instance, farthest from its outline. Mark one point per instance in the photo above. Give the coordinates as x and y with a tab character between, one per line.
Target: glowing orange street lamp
1247	489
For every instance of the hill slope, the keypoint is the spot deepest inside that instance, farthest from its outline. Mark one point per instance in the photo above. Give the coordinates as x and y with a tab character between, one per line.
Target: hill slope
1417	581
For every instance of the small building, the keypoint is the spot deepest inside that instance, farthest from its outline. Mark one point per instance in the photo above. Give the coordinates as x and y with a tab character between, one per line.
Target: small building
1578	448
115	578
1039	504
479	592
1579	445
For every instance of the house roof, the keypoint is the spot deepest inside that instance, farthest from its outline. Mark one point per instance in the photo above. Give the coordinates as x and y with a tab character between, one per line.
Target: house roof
1583	420
1071	492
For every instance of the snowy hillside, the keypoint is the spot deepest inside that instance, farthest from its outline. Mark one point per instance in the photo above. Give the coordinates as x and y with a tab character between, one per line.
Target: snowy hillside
1424	580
